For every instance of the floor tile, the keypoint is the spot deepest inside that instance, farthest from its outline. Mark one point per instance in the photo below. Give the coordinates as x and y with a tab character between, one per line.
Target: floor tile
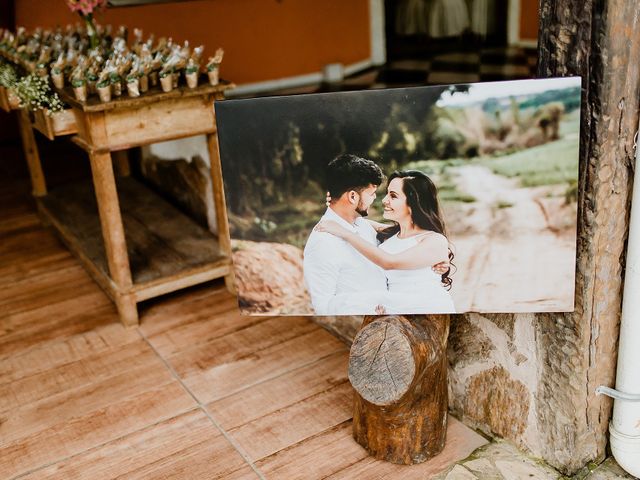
366	78
245	473
461	442
65	283
252	355
317	457
506	70
458	58
290	425
42	373
188	446
402	77
410	64
48	323
278	393
203	321
443	78
185	307
65	395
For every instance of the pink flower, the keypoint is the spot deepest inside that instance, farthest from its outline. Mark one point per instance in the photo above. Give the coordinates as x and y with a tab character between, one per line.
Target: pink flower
85	7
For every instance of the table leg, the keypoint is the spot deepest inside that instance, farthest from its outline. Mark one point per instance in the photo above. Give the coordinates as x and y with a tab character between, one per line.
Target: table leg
121	162
127	309
219	202
39	187
113	235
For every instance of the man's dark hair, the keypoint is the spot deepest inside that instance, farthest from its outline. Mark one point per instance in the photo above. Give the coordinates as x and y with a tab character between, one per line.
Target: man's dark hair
349	172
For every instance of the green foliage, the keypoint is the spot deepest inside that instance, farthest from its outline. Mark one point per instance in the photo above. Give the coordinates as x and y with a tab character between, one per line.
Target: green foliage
570	124
401	138
33	90
453	195
440	173
8	74
571	194
35	93
569	97
442	137
548	164
491	105
447	139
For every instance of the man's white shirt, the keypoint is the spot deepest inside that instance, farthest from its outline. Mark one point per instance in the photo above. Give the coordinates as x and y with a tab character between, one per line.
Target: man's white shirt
333	268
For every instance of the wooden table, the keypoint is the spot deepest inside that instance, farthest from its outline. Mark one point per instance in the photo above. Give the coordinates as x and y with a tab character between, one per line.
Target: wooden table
138	246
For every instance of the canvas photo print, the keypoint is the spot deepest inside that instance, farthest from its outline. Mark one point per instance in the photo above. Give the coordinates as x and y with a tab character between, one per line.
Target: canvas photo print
422	200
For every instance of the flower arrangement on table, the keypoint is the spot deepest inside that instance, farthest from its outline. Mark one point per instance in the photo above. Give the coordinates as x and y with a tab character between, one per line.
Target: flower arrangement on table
32	91
95	59
86	9
213	66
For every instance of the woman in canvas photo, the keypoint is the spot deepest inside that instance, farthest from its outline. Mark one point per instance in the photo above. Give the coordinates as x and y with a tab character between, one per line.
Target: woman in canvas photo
410	247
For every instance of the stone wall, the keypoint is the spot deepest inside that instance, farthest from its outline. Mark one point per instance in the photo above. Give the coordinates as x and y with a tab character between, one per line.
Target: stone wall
493	374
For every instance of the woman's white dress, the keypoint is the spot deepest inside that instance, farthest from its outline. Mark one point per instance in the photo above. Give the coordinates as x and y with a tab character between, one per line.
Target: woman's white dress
413	291
417	291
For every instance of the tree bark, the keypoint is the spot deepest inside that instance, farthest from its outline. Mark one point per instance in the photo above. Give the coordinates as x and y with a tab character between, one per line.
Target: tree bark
599	41
398	367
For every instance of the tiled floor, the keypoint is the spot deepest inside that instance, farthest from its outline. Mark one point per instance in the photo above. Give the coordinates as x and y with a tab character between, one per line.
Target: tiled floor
464	66
196	392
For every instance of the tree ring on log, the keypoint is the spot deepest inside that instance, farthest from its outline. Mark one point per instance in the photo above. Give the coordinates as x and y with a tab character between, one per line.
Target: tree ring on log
381	363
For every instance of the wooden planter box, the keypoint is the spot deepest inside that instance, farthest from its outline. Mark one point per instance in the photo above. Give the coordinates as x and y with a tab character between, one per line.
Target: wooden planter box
51	126
8	100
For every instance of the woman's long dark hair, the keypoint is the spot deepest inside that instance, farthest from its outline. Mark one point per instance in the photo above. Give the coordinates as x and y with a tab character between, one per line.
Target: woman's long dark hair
422	199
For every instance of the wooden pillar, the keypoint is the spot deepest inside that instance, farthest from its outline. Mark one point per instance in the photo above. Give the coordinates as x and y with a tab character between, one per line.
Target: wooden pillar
30	148
600	41
398	368
113	235
224	240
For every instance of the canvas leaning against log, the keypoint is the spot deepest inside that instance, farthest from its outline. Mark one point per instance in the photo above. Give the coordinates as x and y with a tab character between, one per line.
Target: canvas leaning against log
442	199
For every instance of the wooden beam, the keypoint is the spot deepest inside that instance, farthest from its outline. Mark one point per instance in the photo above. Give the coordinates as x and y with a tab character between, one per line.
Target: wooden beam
599	41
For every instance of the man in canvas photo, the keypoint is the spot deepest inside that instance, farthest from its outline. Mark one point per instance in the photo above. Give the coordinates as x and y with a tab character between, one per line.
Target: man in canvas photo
332	268
345	270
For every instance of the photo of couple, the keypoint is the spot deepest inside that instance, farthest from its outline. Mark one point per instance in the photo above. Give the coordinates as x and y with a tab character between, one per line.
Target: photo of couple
421	200
357	266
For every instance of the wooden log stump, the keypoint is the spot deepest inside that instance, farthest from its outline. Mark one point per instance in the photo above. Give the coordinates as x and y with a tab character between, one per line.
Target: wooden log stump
398	368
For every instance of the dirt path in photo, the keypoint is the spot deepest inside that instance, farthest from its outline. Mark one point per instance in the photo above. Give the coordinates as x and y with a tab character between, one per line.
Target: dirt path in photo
510	254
